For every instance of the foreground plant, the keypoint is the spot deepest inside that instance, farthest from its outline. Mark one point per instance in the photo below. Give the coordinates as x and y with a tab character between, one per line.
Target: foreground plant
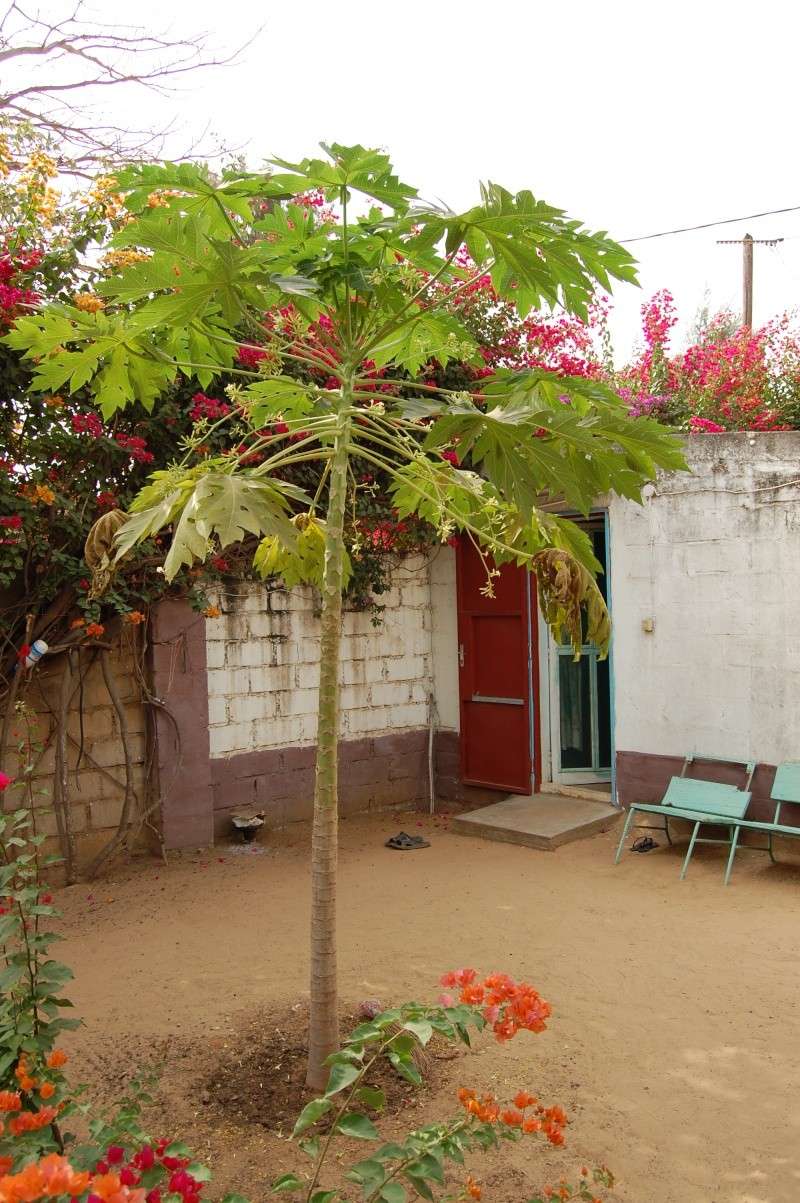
421	1163
121	1164
330	327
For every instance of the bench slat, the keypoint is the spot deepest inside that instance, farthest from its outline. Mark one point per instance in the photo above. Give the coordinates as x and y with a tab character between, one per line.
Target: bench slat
707	797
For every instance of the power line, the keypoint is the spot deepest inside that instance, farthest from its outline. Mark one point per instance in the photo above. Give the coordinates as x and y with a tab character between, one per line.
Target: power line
707	225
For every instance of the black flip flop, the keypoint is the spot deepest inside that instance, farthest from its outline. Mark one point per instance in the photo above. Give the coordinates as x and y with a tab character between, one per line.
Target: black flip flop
405	843
645	843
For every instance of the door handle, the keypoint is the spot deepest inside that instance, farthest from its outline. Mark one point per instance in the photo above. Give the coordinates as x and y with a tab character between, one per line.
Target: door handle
479	697
461	655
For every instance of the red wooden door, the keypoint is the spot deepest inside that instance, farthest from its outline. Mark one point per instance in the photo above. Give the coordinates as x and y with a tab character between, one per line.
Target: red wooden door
494	675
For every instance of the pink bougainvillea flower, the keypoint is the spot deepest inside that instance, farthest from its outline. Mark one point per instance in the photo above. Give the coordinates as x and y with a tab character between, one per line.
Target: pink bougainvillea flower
5	781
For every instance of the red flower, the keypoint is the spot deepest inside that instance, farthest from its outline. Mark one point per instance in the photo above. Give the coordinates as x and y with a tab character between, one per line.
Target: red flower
249	357
5	781
207	407
115	1154
12	523
87	424
135	446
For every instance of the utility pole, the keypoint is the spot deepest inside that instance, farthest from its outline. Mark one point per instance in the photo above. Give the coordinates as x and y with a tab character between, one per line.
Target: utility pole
747	243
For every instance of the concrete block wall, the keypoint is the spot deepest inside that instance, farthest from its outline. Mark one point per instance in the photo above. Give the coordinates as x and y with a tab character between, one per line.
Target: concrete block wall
263	671
95	752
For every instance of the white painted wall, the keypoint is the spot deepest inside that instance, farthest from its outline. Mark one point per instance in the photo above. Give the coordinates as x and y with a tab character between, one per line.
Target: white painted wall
263	665
445	637
713	559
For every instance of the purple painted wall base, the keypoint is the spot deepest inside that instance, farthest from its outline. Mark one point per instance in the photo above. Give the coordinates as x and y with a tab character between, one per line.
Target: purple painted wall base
177	657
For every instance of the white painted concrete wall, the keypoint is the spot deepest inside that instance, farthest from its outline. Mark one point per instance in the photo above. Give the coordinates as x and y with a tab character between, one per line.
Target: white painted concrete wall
263	665
713	559
445	637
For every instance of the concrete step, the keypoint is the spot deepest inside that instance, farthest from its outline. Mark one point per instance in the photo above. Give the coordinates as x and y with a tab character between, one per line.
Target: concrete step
538	821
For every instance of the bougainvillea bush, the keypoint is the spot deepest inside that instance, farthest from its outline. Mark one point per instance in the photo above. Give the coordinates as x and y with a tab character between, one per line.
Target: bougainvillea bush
729	377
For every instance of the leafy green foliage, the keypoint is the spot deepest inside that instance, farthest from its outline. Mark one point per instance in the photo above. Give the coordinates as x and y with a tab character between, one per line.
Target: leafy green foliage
212	262
31	983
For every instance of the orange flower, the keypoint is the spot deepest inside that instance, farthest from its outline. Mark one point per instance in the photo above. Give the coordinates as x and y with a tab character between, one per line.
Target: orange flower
47	1090
76	623
61	1178
10	1100
42	493
56	1059
105	1186
473	1189
134	617
95	630
523	1100
32	1121
484	1109
532	1125
514	1119
51	1176
5	1164
464	1095
24	1187
87	302
212	611
54	402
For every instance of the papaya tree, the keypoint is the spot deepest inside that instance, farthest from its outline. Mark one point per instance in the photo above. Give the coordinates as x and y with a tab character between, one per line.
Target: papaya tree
326	329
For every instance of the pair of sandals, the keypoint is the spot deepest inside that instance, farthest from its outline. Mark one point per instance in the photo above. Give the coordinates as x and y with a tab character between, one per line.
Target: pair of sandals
404	842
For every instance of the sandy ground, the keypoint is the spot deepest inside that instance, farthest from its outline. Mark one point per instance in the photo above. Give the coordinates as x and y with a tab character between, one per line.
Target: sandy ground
674	1046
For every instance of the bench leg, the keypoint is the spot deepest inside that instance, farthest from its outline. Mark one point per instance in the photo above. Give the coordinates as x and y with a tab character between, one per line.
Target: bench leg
624	836
732	853
769	849
670	840
689	851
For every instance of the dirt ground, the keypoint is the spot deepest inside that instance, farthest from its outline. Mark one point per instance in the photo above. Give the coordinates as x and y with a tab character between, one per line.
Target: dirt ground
674	1044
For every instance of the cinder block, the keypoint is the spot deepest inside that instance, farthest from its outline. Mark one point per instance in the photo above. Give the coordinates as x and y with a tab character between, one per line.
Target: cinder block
306	676
291	702
218	710
354	672
254	652
215	654
263	625
251	707
354	697
390	693
105	813
233	737
224	681
46	823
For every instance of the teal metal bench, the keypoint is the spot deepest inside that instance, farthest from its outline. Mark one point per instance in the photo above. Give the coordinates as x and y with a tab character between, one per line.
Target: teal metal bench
701	803
785	788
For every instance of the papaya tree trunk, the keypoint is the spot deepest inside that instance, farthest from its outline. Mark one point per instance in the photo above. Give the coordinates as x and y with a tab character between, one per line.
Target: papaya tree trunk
323	1037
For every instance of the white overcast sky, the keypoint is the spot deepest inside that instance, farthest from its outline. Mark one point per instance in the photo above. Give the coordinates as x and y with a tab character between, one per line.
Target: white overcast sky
634	116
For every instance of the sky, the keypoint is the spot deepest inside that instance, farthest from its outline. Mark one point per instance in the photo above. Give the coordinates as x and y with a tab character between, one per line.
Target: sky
634	117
